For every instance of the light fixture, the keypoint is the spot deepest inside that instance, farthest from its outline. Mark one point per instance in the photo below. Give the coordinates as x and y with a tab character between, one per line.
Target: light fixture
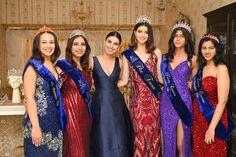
80	12
163	4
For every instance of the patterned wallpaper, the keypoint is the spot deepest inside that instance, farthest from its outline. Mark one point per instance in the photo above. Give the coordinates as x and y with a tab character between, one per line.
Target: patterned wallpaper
194	9
60	11
104	12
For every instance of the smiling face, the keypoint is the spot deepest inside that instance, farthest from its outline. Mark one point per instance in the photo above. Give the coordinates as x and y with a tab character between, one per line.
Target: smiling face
79	47
47	45
179	39
111	44
141	34
208	50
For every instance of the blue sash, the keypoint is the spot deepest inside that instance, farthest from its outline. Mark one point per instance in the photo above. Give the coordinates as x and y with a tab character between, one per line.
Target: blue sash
184	113
48	76
143	72
78	79
207	108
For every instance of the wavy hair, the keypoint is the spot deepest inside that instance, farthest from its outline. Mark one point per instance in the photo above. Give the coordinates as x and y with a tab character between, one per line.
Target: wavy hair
189	45
150	42
84	61
219	56
37	54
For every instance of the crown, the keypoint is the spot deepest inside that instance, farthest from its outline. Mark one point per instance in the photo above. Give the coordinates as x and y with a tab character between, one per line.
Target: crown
76	32
44	29
210	36
182	25
143	18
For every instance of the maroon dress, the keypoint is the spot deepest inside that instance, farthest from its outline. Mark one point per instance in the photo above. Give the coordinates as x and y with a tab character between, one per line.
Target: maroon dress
145	113
200	125
76	135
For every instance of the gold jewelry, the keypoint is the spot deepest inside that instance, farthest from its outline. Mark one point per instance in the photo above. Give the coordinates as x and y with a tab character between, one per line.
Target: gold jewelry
44	29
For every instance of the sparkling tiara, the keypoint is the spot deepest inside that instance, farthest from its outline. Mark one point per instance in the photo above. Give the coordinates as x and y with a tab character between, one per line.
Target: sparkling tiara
210	36
77	32
44	29
182	25
143	18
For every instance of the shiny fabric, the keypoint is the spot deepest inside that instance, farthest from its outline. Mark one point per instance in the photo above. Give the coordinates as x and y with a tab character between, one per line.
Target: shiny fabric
49	123
143	72
111	134
48	76
77	132
173	94
144	111
170	118
200	125
75	74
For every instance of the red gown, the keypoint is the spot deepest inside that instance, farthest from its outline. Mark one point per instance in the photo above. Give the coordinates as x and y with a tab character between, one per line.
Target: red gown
145	113
77	132
200	125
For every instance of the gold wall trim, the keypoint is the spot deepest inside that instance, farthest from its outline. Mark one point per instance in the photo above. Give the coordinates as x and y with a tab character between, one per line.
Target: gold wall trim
70	27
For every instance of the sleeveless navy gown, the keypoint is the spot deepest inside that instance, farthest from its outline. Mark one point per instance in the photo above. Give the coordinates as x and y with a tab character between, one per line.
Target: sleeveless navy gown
112	133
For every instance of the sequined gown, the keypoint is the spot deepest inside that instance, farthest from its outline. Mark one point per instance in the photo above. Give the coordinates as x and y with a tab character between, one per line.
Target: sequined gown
144	112
111	134
48	120
170	118
200	125
77	132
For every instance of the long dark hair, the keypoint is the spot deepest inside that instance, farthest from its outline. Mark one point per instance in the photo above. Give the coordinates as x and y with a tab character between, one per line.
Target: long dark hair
189	45
219	56
150	42
36	53
84	61
114	34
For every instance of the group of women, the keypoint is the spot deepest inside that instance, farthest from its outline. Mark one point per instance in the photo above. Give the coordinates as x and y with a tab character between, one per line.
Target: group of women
63	119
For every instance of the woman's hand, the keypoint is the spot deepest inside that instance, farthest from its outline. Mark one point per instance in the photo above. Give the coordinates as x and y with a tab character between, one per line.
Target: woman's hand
36	136
209	136
190	85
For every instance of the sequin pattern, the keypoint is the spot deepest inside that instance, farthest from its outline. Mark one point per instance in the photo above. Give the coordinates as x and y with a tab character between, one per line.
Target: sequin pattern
200	125
170	118
144	111
48	121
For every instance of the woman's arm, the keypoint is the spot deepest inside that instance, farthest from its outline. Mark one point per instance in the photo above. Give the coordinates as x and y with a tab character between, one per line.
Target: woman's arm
194	66
159	56
223	85
124	74
194	69
59	70
91	65
29	83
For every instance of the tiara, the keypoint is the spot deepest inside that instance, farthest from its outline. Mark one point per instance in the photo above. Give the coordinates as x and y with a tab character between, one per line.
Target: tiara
182	25
76	32
143	18
44	29
210	36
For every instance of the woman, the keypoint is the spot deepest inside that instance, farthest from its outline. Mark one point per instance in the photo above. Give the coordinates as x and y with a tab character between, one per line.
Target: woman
75	94
45	119
142	62
111	134
176	103
211	88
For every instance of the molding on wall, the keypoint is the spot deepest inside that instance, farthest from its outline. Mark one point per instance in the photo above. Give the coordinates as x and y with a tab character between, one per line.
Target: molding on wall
70	27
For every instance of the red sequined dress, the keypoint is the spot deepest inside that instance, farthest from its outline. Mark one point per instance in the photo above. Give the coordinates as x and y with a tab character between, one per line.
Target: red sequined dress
145	113
200	125
76	135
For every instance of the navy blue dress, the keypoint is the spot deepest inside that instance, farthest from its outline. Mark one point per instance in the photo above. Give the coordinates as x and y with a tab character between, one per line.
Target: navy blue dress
48	120
112	133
